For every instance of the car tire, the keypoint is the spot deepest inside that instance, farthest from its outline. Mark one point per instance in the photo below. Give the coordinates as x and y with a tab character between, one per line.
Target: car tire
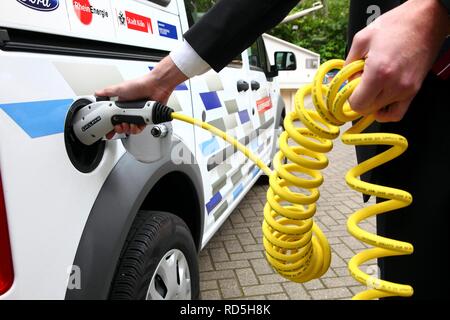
159	260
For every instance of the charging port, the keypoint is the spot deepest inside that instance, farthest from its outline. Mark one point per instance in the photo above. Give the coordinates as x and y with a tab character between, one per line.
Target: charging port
84	158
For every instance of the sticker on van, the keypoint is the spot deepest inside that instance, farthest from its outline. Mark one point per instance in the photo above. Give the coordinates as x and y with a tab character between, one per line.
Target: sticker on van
167	30
40	5
137	22
85	11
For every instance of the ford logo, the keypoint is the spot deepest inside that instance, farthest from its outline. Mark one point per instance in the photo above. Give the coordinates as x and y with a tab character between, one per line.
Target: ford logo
40	5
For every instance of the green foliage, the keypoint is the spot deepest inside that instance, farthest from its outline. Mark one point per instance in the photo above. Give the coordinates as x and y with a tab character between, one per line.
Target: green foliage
323	31
202	5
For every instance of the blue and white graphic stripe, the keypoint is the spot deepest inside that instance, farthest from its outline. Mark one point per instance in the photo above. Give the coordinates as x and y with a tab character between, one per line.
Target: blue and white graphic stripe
39	118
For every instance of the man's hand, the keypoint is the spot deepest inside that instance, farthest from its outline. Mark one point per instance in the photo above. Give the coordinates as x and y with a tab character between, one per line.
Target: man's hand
399	48
157	85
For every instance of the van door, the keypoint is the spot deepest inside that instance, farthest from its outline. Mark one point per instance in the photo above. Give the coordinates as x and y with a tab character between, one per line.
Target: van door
223	100
262	110
237	101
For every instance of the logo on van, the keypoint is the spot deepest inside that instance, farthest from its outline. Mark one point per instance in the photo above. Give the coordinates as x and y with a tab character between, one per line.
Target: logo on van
121	18
85	11
167	30
40	5
135	21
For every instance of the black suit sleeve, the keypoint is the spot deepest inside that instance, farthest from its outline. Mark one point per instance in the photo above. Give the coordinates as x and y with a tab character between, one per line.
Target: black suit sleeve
231	26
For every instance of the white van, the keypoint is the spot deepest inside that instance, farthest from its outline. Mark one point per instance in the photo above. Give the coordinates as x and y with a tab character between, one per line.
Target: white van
95	223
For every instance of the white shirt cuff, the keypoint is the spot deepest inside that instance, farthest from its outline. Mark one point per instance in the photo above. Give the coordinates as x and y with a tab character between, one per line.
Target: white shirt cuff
188	61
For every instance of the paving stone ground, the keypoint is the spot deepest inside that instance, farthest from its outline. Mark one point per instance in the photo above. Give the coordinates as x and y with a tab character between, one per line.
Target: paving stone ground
233	266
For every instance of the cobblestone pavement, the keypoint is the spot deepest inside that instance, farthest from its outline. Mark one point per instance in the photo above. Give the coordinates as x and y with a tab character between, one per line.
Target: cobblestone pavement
233	266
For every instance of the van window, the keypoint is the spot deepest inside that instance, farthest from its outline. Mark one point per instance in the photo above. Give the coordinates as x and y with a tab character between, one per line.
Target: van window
236	62
196	9
257	56
253	56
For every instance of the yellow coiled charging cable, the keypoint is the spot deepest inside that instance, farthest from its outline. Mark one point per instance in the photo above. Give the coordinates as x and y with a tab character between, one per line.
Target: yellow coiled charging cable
295	246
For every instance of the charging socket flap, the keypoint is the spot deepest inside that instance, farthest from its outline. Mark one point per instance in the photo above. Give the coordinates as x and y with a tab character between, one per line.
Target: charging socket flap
144	147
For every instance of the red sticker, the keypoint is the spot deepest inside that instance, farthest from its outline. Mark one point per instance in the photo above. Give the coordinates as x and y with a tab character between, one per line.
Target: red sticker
138	22
83	11
264	104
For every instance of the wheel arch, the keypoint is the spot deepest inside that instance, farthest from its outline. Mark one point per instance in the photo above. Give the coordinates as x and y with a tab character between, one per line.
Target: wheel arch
127	190
175	193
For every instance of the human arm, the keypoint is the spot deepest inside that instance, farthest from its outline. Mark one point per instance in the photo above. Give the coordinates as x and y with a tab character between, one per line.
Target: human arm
156	85
399	49
225	31
231	26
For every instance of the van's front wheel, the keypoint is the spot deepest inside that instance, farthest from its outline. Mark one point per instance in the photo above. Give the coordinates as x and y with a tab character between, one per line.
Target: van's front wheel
159	260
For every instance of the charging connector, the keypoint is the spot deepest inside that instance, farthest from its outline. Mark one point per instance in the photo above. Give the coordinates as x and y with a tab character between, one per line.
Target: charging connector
92	122
88	122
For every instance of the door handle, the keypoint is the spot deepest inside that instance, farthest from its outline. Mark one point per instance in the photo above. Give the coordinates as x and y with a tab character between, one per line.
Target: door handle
242	86
255	85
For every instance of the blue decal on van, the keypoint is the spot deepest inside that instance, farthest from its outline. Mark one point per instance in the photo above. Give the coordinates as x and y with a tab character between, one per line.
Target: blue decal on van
238	191
243	116
181	86
40	5
167	30
210	100
254	144
209	146
213	202
39	118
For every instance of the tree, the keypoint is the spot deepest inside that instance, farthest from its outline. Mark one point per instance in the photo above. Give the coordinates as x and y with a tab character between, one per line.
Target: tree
323	31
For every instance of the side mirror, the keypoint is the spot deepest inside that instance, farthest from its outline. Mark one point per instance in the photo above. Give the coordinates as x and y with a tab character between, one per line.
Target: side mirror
285	60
